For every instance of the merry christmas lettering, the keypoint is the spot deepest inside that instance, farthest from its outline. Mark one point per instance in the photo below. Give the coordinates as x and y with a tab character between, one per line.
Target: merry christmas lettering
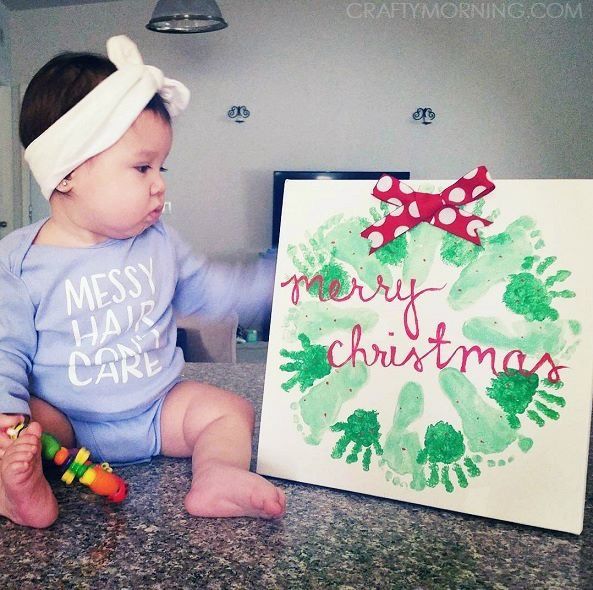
341	353
116	298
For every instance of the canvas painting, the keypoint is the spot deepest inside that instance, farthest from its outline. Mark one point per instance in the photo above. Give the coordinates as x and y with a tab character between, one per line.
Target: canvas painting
432	342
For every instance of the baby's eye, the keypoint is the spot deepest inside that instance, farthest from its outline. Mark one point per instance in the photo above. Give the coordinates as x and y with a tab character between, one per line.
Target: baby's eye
143	169
164	169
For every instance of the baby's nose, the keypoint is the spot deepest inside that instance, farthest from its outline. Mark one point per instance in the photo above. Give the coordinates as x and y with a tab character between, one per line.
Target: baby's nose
158	186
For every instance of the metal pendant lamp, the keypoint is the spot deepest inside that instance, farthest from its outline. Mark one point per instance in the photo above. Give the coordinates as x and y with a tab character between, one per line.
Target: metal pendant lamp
186	16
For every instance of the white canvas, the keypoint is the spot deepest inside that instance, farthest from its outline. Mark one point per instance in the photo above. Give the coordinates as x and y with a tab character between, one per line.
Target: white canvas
471	438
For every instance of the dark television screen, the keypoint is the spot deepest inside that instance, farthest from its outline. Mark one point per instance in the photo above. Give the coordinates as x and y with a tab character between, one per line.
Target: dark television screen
281	175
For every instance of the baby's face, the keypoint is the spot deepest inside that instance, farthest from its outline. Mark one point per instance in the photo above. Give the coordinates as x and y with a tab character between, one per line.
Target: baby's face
120	192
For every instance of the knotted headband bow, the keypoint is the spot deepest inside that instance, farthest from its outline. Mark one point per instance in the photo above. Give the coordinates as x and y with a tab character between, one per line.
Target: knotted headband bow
102	116
441	210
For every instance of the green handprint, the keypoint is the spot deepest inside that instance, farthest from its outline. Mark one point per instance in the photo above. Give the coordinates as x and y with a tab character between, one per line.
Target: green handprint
362	430
318	260
514	392
459	252
309	364
444	445
530	295
395	251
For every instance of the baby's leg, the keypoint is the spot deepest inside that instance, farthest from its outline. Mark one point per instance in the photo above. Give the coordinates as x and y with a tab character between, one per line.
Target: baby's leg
214	427
52	421
25	495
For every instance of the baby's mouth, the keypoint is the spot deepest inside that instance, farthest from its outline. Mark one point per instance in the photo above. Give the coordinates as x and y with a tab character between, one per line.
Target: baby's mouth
155	213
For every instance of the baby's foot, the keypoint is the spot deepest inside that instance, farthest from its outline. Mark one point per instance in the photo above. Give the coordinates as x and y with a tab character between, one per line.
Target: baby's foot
25	495
220	490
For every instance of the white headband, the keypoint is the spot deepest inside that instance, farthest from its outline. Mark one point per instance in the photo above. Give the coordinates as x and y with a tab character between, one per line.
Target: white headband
102	116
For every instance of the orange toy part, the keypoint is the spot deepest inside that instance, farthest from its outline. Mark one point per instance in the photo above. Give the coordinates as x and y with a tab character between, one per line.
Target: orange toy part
61	456
108	484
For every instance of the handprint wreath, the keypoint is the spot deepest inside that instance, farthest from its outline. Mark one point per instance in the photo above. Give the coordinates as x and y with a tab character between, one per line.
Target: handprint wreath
490	421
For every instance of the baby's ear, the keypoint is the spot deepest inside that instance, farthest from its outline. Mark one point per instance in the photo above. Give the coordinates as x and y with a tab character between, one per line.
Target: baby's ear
65	185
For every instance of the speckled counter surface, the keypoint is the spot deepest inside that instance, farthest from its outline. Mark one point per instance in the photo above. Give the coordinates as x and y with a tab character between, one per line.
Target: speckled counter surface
328	539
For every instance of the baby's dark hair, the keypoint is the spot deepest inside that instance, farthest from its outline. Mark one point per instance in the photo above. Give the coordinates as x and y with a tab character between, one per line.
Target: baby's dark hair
60	84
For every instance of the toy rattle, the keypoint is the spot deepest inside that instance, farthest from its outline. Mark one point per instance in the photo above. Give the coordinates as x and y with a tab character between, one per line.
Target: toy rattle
74	463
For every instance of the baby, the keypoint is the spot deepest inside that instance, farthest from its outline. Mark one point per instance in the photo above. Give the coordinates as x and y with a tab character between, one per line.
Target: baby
87	329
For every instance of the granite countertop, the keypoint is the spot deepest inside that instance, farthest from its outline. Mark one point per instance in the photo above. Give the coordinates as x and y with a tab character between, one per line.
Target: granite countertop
328	539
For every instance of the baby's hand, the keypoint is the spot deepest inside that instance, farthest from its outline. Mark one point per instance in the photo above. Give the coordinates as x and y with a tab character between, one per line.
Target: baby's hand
8	421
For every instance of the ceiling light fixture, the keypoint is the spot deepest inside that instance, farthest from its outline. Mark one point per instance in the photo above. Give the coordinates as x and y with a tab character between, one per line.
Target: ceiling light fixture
186	16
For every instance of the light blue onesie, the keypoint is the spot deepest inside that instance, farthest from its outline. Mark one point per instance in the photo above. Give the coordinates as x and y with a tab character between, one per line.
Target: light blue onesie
92	330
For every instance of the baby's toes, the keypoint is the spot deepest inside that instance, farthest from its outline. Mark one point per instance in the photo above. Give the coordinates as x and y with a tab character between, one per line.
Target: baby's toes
281	500
273	509
29	440
19	468
25	447
274	505
21	456
25	453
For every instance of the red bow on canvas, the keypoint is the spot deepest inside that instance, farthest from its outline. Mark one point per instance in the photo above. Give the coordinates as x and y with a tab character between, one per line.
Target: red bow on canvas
441	210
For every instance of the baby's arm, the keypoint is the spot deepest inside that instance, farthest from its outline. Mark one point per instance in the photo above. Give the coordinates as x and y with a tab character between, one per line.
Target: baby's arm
18	342
216	289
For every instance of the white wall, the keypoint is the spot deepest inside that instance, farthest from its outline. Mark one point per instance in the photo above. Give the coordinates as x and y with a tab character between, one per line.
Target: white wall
327	91
5	73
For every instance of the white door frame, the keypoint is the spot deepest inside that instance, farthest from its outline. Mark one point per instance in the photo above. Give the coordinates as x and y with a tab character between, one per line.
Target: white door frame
7	201
15	199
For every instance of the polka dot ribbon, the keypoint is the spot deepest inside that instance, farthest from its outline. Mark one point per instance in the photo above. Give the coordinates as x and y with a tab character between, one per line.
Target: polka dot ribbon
441	210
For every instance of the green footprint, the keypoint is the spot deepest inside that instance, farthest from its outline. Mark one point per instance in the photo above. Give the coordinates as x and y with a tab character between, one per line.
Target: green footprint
486	429
454	250
349	247
423	241
443	449
313	317
530	337
515	392
499	462
531	295
502	254
320	407
402	446
361	429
